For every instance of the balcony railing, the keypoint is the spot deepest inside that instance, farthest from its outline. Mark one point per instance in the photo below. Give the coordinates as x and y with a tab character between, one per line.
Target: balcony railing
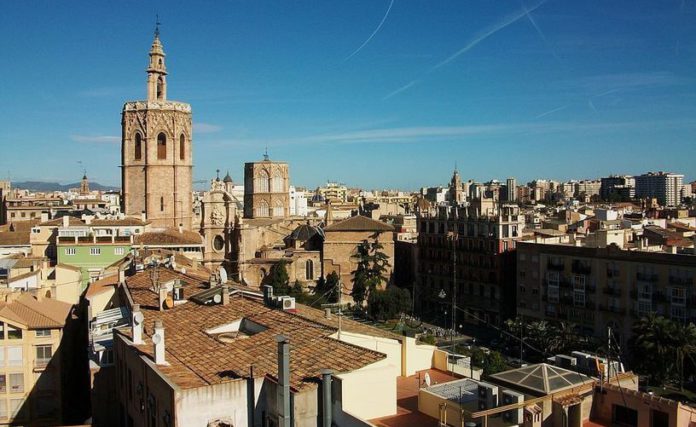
608	290
647	277
555	266
674	280
41	363
581	268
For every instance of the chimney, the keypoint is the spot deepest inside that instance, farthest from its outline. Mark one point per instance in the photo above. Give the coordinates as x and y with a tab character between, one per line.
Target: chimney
121	276
137	324
158	341
66	221
327	313
268	295
225	295
44	216
143	216
87	219
283	391
181	228
326	397
162	297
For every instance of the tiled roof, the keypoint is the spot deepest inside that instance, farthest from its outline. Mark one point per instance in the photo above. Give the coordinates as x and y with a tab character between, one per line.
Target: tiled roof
169	237
14	238
348	325
125	222
197	358
101	285
359	223
35	314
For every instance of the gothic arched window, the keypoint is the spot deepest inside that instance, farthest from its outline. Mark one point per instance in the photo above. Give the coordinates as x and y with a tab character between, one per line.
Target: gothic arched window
309	270
138	146
162	204
261	184
160	88
278	210
262	209
161	146
277	183
182	147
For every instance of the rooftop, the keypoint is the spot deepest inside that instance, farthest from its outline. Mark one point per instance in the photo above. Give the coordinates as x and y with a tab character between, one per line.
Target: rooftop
359	223
169	237
542	378
33	313
198	357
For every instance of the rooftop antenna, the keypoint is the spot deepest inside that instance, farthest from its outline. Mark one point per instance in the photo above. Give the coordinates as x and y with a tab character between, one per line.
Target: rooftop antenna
157	25
265	154
218	174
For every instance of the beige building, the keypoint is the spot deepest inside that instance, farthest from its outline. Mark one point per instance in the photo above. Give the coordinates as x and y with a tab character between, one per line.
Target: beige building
157	152
31	388
218	217
598	288
266	189
341	240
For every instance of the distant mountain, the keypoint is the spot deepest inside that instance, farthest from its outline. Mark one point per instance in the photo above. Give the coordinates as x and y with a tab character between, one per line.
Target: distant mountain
54	186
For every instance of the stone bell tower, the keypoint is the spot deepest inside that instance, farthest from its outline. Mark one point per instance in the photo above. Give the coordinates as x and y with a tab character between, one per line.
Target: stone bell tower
157	152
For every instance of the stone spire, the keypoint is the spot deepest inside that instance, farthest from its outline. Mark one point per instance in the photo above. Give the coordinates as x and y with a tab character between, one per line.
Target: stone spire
157	71
84	185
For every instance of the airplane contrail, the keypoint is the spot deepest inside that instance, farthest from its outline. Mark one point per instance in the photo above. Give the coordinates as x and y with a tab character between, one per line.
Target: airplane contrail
487	33
384	18
401	89
544	114
541	33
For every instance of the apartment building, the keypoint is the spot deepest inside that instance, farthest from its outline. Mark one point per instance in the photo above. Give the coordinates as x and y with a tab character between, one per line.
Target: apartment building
31	374
605	287
663	186
475	244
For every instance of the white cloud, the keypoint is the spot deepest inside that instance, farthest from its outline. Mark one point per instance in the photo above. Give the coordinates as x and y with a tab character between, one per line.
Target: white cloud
96	139
200	127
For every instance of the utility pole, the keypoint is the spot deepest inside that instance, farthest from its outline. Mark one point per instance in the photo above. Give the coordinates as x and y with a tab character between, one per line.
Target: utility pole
608	353
340	311
454	286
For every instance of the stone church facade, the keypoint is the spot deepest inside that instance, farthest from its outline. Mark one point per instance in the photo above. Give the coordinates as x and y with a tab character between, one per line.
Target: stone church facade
157	152
266	189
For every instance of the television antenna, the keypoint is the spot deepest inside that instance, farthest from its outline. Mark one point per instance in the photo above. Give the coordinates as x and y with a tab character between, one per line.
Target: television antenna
428	381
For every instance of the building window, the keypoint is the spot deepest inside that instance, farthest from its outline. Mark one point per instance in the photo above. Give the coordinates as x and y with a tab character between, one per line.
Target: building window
95	251
277	183
15	356
678	296
161	146
218	243
3	383
14	333
16	383
182	147
278	210
262	209
162	204
43	354
309	270
138	146
261	184
70	251
160	86
43	332
119	251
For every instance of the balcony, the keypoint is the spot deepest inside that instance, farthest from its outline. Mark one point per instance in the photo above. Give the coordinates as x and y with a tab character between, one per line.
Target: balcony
555	266
41	363
608	290
647	277
581	268
613	273
658	296
680	281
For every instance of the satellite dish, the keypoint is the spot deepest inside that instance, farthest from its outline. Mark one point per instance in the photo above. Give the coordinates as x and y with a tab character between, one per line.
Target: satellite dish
427	379
223	275
138	318
217	298
156	339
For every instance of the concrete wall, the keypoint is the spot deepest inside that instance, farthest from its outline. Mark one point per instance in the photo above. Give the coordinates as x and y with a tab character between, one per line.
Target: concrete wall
67	284
644	404
369	392
392	348
418	356
225	402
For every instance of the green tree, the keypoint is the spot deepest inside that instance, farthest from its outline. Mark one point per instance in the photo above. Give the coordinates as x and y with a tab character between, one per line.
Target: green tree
371	270
328	287
388	303
652	345
279	278
683	345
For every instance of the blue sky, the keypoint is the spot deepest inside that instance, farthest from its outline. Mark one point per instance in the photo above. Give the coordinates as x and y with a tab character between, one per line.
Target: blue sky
346	91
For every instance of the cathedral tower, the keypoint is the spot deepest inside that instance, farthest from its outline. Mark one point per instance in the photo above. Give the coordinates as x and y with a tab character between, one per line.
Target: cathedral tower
157	152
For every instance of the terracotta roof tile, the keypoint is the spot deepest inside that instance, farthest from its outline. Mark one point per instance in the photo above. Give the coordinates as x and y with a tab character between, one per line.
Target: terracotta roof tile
14	238
169	237
359	223
35	314
197	358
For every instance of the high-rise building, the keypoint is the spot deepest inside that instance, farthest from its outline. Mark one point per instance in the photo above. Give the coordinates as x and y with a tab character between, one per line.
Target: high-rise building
664	186
511	186
266	189
156	152
618	187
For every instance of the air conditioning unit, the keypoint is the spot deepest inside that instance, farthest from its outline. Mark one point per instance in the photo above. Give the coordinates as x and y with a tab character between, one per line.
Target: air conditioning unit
567	362
487	396
288	303
513	416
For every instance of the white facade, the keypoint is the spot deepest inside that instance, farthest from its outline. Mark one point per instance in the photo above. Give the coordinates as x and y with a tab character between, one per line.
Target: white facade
298	202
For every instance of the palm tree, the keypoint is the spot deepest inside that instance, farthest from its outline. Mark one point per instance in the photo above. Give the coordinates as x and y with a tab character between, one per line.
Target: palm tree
683	344
652	345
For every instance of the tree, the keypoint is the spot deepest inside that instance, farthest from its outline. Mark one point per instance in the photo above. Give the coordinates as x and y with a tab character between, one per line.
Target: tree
328	287
370	272
652	345
388	303
279	278
683	344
